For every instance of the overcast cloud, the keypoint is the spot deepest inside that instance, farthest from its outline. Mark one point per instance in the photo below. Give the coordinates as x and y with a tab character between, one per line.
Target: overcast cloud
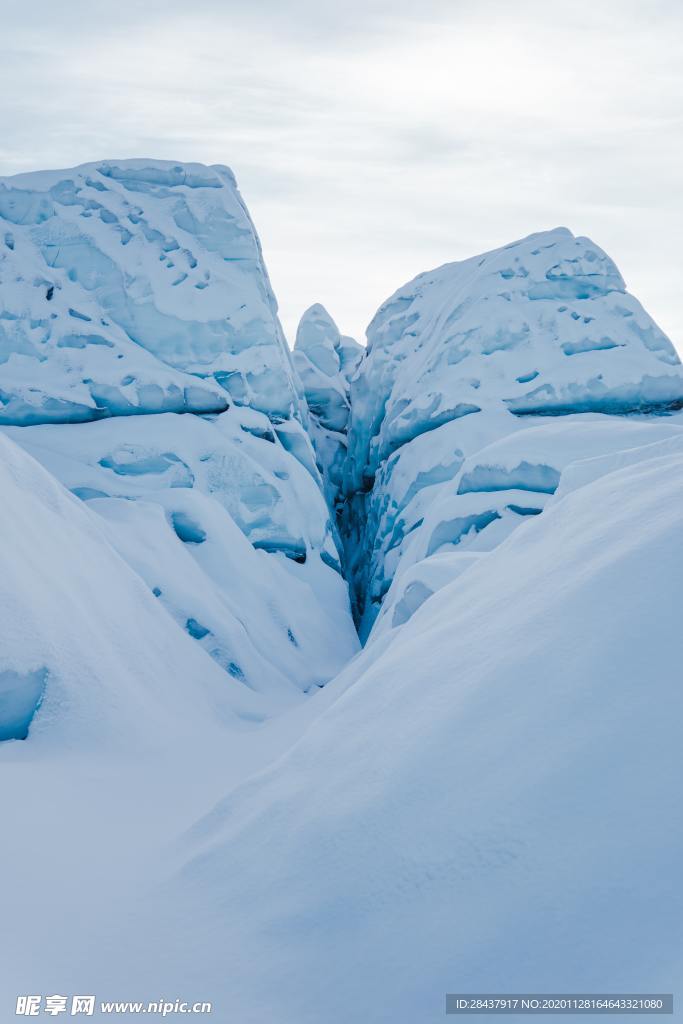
372	141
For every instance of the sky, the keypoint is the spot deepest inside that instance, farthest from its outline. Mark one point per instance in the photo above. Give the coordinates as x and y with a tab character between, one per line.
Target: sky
374	140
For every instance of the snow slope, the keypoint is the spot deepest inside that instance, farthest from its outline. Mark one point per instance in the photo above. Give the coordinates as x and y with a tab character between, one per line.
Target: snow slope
138	730
113	669
490	805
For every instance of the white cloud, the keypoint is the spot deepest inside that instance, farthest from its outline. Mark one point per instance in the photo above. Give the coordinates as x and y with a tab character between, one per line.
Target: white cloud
372	141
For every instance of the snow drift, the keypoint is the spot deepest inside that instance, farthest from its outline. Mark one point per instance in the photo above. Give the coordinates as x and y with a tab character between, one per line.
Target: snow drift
84	635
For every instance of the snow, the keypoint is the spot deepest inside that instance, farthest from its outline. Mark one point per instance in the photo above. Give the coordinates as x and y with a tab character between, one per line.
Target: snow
135	286
493	491
81	627
491	803
227	528
141	724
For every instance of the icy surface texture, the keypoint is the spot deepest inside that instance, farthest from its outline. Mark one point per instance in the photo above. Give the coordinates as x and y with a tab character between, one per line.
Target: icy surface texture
84	634
473	353
135	286
446	528
229	532
326	360
476	783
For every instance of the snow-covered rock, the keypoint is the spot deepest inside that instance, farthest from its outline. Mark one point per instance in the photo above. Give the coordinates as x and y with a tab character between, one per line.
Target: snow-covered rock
326	360
475	352
135	286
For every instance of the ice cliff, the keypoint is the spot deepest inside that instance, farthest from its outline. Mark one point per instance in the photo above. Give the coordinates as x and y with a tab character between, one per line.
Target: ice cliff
517	349
134	286
143	364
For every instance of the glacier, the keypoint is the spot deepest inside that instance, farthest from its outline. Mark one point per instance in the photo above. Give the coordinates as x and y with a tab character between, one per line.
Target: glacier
208	778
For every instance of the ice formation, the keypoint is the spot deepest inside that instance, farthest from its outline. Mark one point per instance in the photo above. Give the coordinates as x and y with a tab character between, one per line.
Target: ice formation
541	331
326	360
132	292
134	286
228	530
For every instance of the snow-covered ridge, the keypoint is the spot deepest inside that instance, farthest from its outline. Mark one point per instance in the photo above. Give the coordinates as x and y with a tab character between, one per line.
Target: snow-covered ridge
135	286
